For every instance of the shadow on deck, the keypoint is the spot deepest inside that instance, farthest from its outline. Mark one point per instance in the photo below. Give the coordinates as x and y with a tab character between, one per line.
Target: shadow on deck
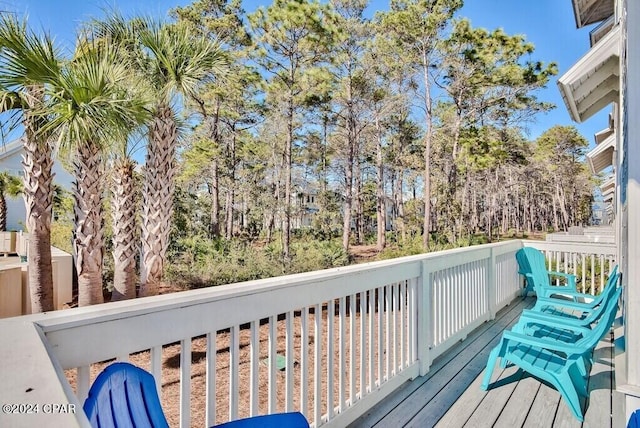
450	395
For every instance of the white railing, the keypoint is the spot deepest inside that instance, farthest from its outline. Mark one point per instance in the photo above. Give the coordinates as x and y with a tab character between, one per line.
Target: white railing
590	262
330	344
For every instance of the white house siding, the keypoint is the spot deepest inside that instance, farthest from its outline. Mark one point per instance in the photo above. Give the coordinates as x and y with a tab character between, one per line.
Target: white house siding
11	161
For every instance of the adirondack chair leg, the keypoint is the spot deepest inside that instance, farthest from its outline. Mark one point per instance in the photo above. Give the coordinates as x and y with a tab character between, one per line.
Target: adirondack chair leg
582	367
578	379
488	371
570	395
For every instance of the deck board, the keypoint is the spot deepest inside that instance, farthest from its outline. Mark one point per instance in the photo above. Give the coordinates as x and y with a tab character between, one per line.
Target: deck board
450	395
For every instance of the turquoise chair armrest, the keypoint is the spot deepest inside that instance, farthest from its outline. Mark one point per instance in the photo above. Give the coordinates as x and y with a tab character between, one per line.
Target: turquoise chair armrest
561	303
533	317
569	349
571	279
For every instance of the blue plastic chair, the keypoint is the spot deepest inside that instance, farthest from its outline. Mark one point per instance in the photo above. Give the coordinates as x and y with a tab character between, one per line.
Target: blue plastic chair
532	265
124	395
280	420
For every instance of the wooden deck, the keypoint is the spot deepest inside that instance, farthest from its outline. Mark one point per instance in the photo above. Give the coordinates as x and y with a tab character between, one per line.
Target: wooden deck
450	395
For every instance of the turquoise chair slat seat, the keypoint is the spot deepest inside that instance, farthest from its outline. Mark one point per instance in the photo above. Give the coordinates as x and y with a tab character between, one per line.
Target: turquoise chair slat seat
124	395
557	359
531	263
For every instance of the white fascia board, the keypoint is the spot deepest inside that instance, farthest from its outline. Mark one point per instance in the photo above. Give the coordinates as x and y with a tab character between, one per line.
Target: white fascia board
599	54
601	157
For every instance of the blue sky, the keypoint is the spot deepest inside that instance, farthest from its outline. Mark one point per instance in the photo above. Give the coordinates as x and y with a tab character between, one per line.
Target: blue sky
548	24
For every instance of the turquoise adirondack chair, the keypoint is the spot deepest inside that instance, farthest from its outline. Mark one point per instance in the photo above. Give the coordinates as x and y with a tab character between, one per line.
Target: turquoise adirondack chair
575	310
559	363
124	395
532	265
565	328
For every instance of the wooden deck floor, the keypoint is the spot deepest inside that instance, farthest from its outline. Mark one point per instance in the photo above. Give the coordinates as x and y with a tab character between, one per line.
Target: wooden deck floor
450	395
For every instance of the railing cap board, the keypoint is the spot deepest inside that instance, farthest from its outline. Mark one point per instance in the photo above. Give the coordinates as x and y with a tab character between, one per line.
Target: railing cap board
31	375
568	247
62	319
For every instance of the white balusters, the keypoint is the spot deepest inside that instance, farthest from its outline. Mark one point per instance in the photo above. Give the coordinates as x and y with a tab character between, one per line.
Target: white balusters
185	383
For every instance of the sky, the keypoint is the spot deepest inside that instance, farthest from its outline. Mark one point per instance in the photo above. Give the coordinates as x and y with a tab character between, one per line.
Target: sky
548	24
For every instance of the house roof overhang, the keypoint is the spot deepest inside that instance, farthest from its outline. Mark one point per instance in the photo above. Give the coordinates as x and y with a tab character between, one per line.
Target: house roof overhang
608	185
601	30
594	81
602	156
600	136
591	11
608	197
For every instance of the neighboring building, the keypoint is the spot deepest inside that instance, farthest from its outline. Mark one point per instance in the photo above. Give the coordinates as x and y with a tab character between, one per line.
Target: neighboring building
609	74
307	206
11	161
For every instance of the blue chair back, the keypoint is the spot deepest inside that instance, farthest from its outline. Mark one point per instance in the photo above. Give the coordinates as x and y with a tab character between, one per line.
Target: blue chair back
124	395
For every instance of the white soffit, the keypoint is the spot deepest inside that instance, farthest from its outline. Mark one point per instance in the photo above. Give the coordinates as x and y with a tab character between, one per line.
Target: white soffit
601	30
602	156
591	11
594	81
608	197
608	185
600	136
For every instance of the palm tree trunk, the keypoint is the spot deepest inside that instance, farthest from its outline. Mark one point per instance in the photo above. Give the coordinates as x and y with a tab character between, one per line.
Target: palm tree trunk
3	212
124	231
88	233
38	200
157	204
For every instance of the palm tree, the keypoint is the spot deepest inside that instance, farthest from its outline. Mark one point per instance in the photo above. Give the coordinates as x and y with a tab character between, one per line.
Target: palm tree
9	185
124	205
28	64
91	107
175	61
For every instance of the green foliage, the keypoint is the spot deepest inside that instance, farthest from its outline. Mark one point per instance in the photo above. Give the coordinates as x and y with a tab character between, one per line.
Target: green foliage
201	262
62	235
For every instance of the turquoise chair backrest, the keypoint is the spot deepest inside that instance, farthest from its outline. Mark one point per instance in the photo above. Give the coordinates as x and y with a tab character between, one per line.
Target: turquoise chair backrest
605	323
531	261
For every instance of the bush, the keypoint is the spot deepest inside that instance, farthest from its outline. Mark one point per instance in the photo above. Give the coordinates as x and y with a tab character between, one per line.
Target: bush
200	262
62	235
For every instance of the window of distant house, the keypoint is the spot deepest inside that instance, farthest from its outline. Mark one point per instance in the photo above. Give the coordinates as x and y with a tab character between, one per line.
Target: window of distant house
313	199
307	198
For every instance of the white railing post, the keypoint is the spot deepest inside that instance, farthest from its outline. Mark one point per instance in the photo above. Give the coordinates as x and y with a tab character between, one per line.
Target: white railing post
491	284
425	311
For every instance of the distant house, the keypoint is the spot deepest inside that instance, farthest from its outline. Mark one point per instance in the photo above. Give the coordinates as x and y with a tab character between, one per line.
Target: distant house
11	161
307	206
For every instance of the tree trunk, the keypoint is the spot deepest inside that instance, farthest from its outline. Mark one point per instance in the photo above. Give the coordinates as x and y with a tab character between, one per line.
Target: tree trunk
426	225
358	202
87	240
400	206
3	212
229	211
348	197
381	213
157	204
38	199
124	230
214	191
286	233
